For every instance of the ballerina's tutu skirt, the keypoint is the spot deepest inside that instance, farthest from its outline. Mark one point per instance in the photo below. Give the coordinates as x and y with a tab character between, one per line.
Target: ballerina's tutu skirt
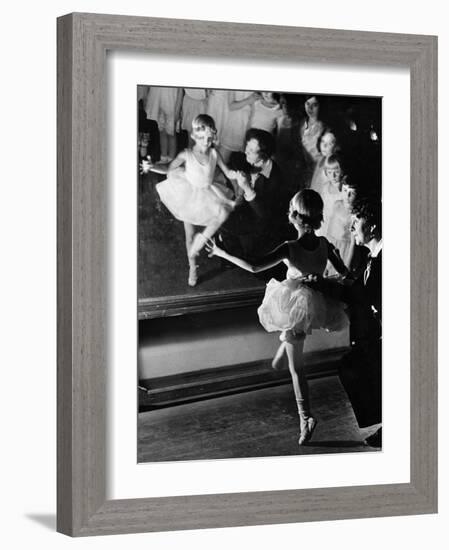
291	305
198	205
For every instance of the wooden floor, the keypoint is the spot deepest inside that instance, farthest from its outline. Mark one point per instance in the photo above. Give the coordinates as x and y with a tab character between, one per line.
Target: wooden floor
258	423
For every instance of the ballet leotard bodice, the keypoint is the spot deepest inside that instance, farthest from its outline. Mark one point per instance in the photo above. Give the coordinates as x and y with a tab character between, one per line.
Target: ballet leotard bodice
198	174
305	262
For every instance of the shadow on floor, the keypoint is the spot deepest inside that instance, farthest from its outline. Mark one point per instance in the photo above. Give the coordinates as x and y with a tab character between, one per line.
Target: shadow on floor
260	423
46	520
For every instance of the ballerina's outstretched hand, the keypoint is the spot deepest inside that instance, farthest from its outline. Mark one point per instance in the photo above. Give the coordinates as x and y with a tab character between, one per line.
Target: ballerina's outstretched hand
146	166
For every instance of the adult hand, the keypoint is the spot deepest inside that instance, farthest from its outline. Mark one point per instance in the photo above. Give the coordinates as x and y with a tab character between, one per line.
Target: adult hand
313	281
243	182
311	278
331	287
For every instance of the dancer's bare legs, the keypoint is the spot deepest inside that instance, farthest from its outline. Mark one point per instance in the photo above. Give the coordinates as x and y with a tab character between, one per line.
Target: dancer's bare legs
171	146
163	139
279	356
209	231
189	230
294	348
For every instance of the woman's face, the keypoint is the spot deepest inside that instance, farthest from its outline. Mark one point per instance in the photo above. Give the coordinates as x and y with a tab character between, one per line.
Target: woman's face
252	152
333	173
312	107
349	194
327	144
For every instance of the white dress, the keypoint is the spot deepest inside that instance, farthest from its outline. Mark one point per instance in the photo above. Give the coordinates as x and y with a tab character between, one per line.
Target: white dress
190	193
330	195
292	305
218	109
309	138
319	177
265	118
338	232
233	134
161	99
193	104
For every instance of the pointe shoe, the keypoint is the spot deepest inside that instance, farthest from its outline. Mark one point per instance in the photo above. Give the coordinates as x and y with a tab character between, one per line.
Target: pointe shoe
193	275
198	243
307	428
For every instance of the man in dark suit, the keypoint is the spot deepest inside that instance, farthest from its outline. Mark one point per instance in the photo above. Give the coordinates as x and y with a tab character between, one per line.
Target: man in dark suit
259	221
361	369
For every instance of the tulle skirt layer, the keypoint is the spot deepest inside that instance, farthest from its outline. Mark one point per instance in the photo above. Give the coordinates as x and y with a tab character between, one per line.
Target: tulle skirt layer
195	205
292	305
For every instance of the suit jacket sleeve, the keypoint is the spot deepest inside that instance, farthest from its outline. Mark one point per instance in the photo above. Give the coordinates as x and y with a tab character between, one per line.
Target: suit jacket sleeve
266	204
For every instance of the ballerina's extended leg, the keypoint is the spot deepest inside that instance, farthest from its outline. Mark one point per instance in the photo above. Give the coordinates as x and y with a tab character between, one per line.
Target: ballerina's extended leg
193	273
189	230
294	347
198	243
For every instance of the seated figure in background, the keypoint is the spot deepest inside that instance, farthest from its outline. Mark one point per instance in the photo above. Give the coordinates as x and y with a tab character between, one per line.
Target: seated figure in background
257	223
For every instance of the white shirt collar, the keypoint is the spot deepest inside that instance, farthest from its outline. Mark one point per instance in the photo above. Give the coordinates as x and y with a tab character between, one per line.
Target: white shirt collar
266	170
377	249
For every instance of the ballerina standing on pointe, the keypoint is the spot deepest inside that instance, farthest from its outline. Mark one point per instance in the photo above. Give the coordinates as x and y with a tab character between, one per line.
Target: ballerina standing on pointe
290	306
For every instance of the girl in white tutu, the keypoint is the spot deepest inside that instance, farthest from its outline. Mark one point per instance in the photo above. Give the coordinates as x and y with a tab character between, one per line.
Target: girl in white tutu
290	306
190	193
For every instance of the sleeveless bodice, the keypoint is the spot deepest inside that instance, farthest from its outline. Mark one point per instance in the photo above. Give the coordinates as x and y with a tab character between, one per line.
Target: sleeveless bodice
305	262
200	175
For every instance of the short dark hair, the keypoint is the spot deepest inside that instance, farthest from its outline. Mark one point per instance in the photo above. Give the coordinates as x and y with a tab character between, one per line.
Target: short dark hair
369	208
265	141
327	130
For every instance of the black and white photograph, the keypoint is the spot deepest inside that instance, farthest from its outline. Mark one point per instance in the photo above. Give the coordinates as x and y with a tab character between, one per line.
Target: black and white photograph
259	273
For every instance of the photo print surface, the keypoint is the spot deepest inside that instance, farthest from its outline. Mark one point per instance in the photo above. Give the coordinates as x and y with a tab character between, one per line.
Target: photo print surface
259	273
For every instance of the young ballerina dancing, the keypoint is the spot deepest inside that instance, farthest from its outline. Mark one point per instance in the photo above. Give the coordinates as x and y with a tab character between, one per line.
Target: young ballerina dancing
190	193
290	306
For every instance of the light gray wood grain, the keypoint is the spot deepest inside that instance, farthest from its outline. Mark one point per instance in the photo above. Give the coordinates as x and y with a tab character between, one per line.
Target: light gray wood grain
83	40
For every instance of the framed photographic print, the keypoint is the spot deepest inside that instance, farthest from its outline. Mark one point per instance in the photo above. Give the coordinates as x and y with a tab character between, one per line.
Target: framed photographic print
220	211
194	309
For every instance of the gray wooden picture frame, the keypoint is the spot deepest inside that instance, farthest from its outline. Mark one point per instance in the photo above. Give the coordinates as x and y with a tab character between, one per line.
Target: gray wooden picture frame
83	41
